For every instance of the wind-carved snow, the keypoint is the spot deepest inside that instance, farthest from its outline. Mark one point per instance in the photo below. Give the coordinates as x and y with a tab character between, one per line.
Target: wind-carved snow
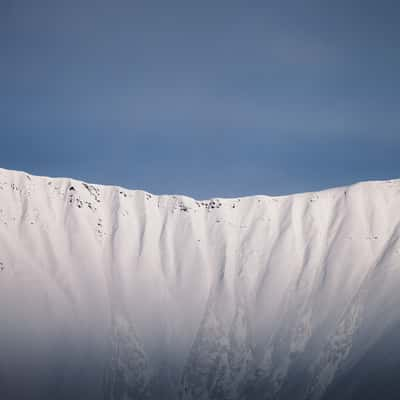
118	294
220	360
336	351
128	373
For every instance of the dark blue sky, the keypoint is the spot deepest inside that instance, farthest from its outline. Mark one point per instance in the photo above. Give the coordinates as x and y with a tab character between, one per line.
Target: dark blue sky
210	98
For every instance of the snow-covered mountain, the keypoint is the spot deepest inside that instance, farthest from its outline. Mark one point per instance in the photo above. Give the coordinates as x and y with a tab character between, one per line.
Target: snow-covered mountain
107	293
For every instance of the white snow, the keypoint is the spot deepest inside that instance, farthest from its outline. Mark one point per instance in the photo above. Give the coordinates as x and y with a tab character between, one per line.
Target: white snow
119	294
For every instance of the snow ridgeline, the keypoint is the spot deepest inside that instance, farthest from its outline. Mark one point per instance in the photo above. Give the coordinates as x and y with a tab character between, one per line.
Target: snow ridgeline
117	294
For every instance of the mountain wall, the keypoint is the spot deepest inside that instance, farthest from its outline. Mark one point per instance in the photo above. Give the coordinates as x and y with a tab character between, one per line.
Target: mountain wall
107	293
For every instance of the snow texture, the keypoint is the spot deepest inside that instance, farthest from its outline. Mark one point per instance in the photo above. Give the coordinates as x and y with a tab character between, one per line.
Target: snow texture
108	293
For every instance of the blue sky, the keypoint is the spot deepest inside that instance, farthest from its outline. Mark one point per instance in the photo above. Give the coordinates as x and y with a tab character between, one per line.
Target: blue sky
211	98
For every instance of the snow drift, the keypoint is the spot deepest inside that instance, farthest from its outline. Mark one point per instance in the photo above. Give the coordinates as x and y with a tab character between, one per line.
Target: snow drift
107	293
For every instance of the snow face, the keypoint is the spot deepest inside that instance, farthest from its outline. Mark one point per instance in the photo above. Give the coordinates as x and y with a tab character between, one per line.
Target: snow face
117	294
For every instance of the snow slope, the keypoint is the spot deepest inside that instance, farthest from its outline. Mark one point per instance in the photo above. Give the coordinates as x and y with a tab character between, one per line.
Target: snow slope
107	293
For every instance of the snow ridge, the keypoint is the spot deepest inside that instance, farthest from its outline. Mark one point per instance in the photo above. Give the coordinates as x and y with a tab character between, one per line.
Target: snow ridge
119	294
